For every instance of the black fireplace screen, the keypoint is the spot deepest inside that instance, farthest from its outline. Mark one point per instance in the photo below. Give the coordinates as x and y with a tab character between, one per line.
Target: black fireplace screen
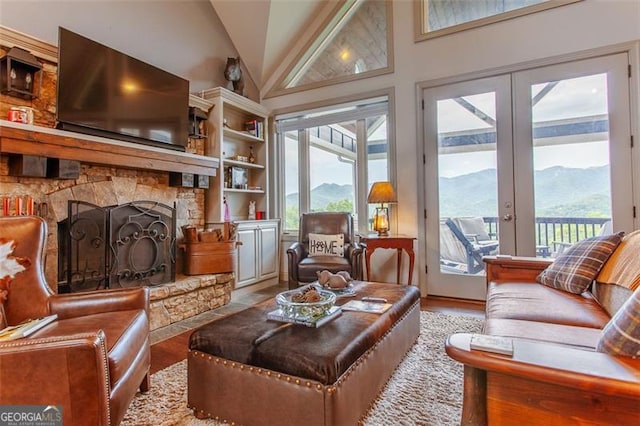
127	245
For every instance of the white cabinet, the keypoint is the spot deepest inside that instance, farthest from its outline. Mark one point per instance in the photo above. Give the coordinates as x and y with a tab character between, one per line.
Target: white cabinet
258	253
239	137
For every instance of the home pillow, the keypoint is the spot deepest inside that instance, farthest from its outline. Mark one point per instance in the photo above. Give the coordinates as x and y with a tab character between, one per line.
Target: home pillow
326	245
576	267
621	335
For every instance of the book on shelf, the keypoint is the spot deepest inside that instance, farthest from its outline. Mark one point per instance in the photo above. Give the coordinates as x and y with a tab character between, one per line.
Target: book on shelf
26	328
366	306
495	344
278	315
254	127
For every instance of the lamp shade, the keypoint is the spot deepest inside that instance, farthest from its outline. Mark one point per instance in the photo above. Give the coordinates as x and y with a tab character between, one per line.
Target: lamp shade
382	192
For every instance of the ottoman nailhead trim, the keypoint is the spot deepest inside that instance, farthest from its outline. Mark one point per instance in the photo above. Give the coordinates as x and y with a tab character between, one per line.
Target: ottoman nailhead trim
319	387
233	365
279	376
288	379
297	381
331	390
224	362
241	366
308	384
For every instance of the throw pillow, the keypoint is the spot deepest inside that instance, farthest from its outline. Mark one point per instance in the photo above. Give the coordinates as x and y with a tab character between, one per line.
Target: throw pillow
577	267
621	335
623	268
326	245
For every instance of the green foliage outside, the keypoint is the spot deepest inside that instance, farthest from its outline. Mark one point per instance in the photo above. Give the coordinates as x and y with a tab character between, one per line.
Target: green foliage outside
292	215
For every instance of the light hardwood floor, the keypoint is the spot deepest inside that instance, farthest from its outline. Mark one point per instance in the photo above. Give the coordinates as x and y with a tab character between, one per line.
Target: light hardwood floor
170	344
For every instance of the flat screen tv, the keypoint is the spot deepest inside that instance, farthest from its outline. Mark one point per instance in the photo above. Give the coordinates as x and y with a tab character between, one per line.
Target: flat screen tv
104	92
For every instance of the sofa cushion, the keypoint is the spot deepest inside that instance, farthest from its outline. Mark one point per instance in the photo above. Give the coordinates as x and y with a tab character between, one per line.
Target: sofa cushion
621	336
536	302
583	337
326	245
576	268
623	267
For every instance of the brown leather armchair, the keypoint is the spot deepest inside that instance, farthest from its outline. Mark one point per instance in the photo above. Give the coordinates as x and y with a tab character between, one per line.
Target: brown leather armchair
302	268
91	360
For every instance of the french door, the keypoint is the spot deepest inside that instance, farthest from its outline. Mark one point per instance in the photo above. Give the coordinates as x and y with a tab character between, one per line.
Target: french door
523	164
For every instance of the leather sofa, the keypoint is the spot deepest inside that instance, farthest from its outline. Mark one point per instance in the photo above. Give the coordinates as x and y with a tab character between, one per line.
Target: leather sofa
91	360
555	375
303	268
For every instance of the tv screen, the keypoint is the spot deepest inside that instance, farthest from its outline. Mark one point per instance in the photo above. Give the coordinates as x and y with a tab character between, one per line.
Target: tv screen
104	92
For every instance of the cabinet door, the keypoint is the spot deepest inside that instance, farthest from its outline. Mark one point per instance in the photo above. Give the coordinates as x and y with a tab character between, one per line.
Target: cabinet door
247	271
268	250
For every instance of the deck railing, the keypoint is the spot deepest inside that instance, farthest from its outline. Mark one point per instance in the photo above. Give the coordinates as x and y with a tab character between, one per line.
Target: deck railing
553	231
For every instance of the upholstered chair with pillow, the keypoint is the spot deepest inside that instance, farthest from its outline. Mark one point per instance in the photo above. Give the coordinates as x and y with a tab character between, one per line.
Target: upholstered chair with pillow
90	361
326	241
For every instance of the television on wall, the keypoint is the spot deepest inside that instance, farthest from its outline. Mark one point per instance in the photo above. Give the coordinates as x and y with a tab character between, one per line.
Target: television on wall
107	93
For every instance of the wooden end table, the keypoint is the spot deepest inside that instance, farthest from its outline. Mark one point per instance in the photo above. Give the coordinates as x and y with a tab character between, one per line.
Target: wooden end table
398	242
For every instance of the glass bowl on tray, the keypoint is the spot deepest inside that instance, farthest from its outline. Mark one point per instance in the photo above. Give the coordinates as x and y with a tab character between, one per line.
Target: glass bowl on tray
288	303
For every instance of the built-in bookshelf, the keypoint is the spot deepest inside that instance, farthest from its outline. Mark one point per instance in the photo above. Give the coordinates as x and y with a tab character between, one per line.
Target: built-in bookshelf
238	137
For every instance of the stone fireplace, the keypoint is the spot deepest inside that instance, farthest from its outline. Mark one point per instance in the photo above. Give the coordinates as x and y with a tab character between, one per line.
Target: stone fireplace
182	296
111	173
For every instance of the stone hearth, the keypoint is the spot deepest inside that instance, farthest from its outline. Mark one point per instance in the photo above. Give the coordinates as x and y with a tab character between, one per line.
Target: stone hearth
188	296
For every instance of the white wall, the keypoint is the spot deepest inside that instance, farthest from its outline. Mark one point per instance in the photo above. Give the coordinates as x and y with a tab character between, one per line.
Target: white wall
572	28
184	37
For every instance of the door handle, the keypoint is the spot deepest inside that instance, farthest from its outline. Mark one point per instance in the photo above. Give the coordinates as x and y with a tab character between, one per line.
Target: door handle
507	217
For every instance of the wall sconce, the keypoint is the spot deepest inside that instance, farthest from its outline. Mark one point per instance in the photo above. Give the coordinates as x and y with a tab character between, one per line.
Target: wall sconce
20	74
381	192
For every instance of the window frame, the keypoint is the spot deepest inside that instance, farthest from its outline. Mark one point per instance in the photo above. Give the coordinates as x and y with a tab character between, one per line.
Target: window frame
422	33
361	191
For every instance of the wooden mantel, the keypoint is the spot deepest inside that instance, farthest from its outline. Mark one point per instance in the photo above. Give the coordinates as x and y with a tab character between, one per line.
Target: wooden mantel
18	138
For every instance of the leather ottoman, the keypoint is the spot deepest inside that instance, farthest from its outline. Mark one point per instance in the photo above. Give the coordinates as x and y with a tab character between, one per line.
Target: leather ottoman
244	369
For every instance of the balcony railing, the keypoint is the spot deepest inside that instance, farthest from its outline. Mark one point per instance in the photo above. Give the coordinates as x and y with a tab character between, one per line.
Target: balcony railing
554	231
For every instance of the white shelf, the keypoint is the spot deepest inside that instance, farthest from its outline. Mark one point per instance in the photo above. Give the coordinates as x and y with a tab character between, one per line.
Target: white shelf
242	164
235	134
245	191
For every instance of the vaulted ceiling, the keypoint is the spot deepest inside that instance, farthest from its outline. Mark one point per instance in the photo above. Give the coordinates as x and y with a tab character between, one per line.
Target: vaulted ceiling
264	31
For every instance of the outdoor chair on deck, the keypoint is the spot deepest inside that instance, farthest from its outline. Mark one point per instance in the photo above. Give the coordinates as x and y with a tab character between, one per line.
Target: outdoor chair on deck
463	243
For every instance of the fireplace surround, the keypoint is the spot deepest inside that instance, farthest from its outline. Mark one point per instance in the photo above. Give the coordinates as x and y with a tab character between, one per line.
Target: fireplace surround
126	245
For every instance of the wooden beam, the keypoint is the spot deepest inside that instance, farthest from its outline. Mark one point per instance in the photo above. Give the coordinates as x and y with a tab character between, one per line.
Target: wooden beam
34	140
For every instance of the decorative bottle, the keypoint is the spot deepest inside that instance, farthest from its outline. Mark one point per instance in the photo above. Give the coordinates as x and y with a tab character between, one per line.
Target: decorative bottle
252	158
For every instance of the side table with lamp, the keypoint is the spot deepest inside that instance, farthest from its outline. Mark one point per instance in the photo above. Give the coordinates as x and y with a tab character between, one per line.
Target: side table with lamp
383	192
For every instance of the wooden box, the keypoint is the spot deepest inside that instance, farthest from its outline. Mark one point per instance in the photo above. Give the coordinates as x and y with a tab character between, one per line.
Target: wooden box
209	258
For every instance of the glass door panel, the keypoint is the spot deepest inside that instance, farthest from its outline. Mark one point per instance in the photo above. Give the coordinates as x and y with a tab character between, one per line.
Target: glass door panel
572	185
468	183
573	127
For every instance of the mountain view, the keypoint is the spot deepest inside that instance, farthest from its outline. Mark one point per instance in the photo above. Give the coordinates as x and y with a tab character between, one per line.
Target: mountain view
560	192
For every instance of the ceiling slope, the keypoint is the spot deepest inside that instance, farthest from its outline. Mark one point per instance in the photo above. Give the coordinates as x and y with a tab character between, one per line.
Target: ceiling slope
264	31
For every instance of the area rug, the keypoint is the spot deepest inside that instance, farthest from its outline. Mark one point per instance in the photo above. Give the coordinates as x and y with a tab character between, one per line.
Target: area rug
425	389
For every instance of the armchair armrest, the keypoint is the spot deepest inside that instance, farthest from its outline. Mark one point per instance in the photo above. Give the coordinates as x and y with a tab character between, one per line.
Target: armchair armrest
95	302
514	268
63	370
550	379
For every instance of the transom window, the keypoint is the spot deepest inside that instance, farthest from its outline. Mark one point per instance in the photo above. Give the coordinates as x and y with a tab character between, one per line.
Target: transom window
439	17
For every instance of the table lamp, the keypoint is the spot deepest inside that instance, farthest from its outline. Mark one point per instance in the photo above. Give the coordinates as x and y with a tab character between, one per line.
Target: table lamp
381	192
